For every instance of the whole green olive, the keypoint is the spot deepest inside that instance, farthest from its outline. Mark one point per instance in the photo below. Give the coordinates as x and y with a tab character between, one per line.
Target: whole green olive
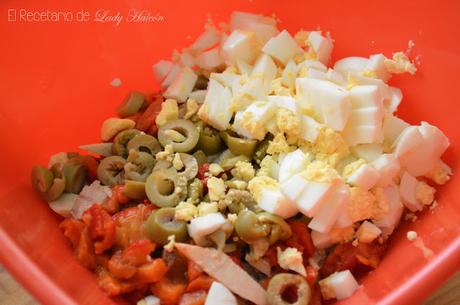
111	170
238	146
145	143
161	224
121	141
166	188
181	134
139	165
209	141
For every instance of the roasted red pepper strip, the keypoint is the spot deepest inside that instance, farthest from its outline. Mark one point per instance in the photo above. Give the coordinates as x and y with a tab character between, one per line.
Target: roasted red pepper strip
138	252
130	224
301	236
118	199
193	270
84	252
147	120
202	282
101	227
72	230
151	272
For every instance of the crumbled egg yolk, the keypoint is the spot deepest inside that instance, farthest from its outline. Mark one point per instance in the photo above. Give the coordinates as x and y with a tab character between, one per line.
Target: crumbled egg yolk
424	193
215	169
400	64
177	162
266	167
278	145
185	211
330	147
257	184
277	88
216	188
439	174
361	204
166	154
288	123
381	205
169	111
256	129
191	107
301	37
291	259
351	81
205	208
350	168
240	102
320	172
232	218
243	170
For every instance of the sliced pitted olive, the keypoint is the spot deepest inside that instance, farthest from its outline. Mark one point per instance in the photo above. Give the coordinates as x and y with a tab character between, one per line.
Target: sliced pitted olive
139	166
166	188
56	189
121	141
161	224
279	229
209	141
189	170
229	163
181	134
261	149
283	281
239	146
42	179
145	143
248	227
75	174
131	104
134	190
111	170
200	157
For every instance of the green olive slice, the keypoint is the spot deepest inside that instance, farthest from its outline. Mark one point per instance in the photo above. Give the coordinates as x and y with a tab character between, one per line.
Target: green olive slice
166	188
134	190
75	174
189	170
111	170
282	281
238	146
56	189
161	224
210	141
139	166
121	141
200	157
42	179
145	143
279	228
185	128
131	104
229	163
248	228
261	149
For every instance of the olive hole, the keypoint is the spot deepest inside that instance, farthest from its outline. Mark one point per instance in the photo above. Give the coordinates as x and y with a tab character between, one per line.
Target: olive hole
289	294
182	131
165	187
145	149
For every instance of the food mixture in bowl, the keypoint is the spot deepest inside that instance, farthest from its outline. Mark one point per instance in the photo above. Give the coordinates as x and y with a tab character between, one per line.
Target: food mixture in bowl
259	174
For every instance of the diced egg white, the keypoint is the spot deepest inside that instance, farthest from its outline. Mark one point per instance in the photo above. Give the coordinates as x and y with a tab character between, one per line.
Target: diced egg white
207	40
359	79
292	163
274	202
391	105
172	74
335	77
215	109
218	294
339	285
209	59
289	74
365	116
343	219
376	65
312	64
395	209
362	134
407	190
388	167
264	67
392	127
368	152
281	101
327	215
64	204
228	79
283	47
365	177
264	27
198	95
317	74
205	225
250	122
309	128
240	45
367	232
182	85
257	88
161	69
187	59
321	45
364	96
351	65
330	101
149	300
409	139
244	67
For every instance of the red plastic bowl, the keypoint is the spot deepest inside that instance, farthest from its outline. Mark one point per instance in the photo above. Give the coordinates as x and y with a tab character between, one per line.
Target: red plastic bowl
54	82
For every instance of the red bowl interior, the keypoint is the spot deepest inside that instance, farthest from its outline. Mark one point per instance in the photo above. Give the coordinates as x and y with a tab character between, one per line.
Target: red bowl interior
55	86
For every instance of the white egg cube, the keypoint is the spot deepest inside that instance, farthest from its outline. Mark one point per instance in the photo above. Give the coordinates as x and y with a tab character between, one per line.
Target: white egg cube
282	47
392	127
187	59
313	197
321	45
388	167
339	285
215	109
243	67
289	74
218	294
161	69
376	64
365	177
264	68
205	225
351	65
264	27
343	219
256	87
367	232
366	116
250	123
207	40
409	139
172	74
363	134
274	202
330	101
316	74
311	64
228	79
364	96
391	105
395	210
327	215
309	128
335	77
240	45
407	191
281	101
209	59
182	85
368	152
198	95
293	163
294	186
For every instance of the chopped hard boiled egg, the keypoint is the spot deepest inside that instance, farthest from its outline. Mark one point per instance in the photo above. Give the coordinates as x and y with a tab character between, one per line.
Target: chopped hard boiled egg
215	109
322	46
291	259
182	85
339	285
387	222
240	45
162	68
367	232
293	163
250	123
205	225
283	47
